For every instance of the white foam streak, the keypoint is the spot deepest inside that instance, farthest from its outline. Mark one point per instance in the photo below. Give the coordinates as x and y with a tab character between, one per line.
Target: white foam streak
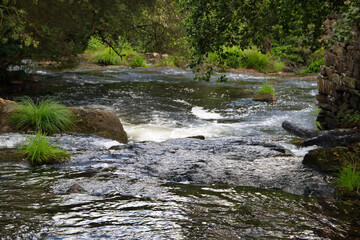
201	113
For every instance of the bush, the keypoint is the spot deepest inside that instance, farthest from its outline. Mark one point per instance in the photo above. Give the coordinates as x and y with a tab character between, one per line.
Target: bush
107	56
348	177
314	67
94	44
234	57
102	54
138	61
38	151
48	116
170	61
266	88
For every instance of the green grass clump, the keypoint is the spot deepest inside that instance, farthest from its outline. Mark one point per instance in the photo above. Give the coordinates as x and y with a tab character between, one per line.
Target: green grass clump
48	116
38	151
138	61
266	88
348	177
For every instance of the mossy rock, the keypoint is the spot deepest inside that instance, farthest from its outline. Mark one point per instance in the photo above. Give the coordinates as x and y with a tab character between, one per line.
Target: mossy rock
330	160
265	97
11	155
101	123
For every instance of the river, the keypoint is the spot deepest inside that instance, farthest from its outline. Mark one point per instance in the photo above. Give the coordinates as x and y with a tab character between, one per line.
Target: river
244	181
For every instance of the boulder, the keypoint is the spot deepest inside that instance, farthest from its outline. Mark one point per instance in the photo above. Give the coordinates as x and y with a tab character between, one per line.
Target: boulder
329	160
265	97
98	122
6	106
91	121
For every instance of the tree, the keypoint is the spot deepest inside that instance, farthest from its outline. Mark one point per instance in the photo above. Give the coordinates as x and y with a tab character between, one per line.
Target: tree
59	29
212	24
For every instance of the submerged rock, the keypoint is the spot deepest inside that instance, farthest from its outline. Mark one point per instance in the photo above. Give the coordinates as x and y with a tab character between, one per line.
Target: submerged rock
76	188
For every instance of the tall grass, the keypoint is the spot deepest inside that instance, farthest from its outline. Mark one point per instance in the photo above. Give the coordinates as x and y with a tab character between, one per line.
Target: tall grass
38	151
348	177
266	88
48	116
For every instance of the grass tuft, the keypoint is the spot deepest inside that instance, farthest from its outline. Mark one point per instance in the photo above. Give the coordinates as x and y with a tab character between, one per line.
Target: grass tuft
38	151
266	88
48	116
348	177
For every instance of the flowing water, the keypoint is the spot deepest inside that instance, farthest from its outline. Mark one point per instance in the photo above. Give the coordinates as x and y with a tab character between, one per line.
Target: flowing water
245	181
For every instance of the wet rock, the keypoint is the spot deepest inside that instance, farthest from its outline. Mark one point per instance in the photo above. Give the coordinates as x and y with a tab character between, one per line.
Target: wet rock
265	97
101	123
330	160
201	137
76	188
6	106
98	122
10	155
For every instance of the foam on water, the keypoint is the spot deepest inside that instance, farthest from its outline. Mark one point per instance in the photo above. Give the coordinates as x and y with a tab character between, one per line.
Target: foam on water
201	113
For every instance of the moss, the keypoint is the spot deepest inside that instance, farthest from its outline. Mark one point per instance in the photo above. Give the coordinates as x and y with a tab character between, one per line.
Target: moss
10	155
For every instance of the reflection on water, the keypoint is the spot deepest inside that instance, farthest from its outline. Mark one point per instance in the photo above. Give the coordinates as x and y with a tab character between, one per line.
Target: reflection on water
223	188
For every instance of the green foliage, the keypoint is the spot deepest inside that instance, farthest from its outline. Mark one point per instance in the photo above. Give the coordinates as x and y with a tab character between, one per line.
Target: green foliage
95	44
348	177
138	61
212	24
170	61
38	151
48	116
107	56
122	53
234	57
314	67
315	113
344	27
266	88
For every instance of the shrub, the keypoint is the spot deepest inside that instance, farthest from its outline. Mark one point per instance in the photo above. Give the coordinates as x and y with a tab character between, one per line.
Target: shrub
94	44
38	150
48	116
314	67
348	177
107	56
234	57
170	61
266	88
138	61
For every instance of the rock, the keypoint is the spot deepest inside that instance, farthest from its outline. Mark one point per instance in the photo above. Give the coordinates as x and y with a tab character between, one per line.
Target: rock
10	155
326	160
265	97
102	123
201	137
98	122
6	106
76	188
